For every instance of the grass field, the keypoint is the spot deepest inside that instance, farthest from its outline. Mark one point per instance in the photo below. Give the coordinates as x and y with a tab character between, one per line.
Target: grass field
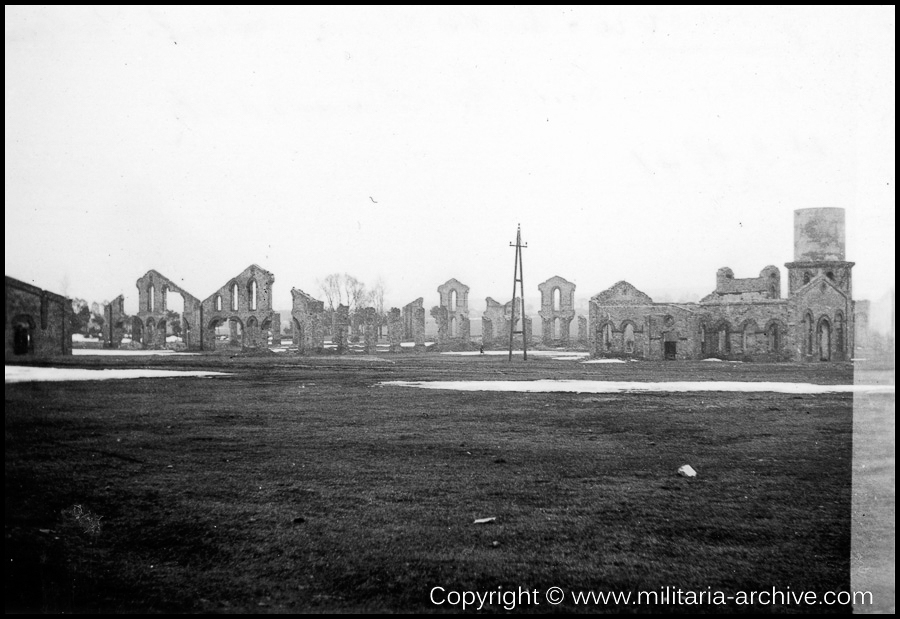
299	484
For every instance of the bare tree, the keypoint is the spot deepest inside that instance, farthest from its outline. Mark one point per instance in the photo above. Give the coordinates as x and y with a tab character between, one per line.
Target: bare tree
331	289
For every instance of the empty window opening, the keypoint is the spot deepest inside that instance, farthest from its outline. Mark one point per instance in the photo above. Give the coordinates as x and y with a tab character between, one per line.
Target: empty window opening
234	297
251	293
452	301
23	335
607	337
556	299
839	333
671	350
151	298
453	326
824	340
830	275
218	303
629	338
773	338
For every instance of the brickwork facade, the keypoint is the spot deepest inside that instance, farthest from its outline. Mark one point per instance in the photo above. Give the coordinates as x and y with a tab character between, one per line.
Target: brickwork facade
245	303
743	319
557	310
149	325
308	323
38	322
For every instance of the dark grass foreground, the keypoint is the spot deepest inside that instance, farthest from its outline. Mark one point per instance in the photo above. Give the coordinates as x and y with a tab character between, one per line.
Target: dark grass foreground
298	485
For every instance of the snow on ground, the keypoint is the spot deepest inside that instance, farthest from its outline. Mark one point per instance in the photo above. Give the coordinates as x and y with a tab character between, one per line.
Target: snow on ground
26	374
601	386
604	361
412	344
127	353
556	354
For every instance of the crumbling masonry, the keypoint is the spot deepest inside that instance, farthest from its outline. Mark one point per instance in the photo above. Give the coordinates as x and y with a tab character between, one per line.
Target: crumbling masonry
744	318
245	302
37	322
452	315
414	324
149	326
308	323
114	322
557	310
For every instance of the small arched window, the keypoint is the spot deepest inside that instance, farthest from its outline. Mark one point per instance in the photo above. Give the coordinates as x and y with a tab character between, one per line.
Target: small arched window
252	295
218	303
151	298
234	297
556	296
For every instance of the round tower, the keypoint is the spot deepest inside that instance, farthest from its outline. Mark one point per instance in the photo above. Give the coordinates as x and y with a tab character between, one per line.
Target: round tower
818	234
819	249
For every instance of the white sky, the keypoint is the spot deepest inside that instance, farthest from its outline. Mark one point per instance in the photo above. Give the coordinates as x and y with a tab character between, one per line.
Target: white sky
650	144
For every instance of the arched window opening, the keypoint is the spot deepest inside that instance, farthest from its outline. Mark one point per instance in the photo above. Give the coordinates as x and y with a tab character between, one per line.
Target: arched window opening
830	275
234	297
607	337
773	338
556	297
839	333
151	298
629	338
810	334
824	339
23	335
452	301
453	326
252	295
218	303
806	277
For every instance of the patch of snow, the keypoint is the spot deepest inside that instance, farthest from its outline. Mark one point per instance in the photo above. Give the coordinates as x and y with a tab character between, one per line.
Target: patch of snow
126	352
412	344
173	338
537	353
714	360
77	337
601	386
278	349
26	374
605	361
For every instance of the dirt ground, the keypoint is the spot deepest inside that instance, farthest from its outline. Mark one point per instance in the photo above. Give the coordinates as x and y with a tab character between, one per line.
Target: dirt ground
301	484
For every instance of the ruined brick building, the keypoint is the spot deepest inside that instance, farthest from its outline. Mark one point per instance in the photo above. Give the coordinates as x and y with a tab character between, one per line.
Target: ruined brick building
38	322
744	318
452	315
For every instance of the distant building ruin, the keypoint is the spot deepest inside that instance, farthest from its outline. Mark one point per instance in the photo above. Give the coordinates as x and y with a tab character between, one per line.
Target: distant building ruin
150	325
114	322
245	305
38	322
452	315
744	318
308	322
557	310
413	316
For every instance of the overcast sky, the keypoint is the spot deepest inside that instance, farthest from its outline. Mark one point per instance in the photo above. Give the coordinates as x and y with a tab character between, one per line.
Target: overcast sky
653	145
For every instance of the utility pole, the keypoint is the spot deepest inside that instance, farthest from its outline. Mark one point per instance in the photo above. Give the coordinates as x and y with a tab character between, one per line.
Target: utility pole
517	278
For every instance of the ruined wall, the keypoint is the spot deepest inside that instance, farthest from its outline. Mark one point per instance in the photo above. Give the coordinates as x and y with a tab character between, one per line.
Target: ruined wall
821	322
308	320
154	290
582	331
454	298
396	329
38	322
245	301
766	286
414	324
495	323
557	310
370	330
340	327
114	322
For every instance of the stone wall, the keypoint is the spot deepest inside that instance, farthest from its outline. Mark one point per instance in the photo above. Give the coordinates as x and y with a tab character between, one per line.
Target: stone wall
396	329
370	330
245	301
38	322
557	310
308	321
413	317
454	300
339	328
149	325
114	322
